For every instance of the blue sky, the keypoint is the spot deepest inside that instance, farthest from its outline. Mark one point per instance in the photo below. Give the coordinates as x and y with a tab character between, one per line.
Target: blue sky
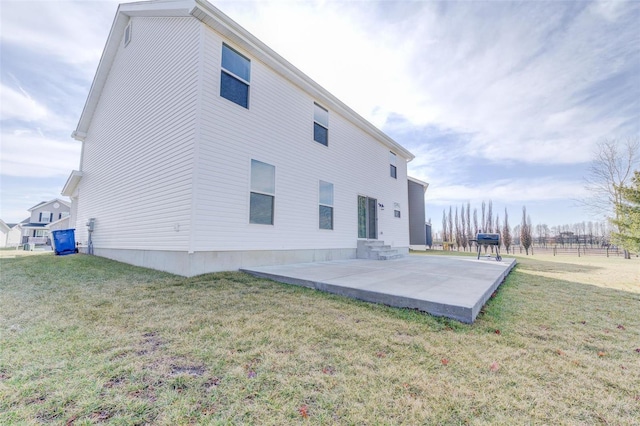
498	100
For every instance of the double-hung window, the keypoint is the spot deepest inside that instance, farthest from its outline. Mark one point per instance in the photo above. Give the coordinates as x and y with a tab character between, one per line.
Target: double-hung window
45	217
326	205
235	77
320	125
263	191
392	165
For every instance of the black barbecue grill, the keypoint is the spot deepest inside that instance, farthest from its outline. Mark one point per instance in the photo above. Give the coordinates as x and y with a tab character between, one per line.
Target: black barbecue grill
486	239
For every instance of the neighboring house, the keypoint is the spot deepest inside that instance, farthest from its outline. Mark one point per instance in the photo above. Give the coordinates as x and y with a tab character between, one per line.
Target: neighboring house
4	233
417	225
204	150
45	217
14	237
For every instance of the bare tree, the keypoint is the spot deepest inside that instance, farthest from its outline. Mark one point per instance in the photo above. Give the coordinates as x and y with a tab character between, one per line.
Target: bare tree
470	236
450	226
525	231
475	224
506	232
498	230
463	230
516	236
488	226
612	168
457	231
444	226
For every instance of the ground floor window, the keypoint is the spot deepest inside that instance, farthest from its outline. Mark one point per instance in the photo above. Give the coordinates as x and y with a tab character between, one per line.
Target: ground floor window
326	205
263	190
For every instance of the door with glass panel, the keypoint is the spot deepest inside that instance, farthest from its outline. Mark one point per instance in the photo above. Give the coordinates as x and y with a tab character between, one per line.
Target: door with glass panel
367	218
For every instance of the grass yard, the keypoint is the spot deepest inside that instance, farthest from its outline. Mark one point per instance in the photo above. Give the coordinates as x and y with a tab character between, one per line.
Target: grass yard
85	340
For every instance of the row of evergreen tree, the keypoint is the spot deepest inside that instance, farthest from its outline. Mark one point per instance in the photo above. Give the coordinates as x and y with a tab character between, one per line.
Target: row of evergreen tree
459	228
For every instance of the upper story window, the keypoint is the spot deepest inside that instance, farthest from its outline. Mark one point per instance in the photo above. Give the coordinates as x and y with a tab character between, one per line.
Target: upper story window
326	205
263	191
392	165
45	217
320	125
235	77
63	214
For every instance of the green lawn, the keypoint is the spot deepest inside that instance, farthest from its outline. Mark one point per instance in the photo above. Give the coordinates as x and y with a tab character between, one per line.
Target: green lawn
86	340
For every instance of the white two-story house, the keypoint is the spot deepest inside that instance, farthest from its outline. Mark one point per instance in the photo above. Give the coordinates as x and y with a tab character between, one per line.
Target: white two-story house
45	217
204	150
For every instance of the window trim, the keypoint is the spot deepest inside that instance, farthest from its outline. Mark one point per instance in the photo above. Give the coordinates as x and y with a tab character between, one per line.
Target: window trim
321	204
316	122
235	76
393	169
259	192
47	219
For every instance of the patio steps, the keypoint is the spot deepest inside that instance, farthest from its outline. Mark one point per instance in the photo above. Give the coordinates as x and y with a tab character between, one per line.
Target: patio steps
376	250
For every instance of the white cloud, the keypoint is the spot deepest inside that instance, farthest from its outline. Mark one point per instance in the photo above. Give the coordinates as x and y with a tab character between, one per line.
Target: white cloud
72	31
20	106
518	77
28	154
507	191
609	9
505	81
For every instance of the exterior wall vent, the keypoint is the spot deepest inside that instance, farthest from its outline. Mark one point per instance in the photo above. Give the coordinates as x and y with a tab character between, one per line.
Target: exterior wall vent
127	34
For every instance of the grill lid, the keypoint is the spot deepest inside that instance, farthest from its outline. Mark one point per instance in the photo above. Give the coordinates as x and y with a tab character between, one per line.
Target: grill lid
488	239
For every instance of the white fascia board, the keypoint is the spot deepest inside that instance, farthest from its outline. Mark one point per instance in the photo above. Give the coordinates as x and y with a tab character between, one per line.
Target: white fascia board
218	21
72	183
226	26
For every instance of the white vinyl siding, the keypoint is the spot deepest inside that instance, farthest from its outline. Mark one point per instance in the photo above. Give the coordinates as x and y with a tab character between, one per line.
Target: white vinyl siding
279	119
48	212
139	149
165	163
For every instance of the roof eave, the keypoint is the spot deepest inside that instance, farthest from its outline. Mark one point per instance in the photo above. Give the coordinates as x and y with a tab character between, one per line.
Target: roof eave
72	183
212	17
124	12
424	184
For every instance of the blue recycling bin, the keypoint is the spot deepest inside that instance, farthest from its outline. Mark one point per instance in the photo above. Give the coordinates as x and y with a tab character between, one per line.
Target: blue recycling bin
64	241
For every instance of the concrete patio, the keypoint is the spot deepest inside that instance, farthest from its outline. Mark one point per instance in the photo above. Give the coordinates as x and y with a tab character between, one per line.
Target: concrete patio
453	287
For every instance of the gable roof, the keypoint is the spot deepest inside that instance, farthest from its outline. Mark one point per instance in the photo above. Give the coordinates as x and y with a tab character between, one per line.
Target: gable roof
221	23
43	203
4	225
